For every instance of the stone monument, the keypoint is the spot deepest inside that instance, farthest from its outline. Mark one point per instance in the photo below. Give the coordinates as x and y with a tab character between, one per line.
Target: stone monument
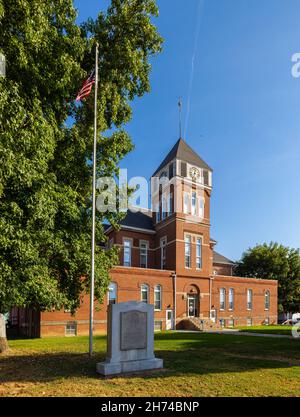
130	339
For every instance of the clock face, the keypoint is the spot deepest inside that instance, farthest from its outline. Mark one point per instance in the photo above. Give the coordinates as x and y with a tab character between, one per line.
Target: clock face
194	173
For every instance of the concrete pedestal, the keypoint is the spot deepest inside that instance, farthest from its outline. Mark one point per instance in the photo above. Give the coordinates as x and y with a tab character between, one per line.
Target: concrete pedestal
130	339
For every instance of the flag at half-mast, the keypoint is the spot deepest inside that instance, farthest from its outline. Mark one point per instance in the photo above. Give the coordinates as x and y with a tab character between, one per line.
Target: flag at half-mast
86	86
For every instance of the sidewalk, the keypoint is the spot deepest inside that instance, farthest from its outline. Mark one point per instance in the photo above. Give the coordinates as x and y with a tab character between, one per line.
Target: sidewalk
239	333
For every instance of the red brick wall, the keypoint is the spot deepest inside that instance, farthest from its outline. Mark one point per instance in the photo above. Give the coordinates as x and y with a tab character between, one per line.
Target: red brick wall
258	314
222	269
129	282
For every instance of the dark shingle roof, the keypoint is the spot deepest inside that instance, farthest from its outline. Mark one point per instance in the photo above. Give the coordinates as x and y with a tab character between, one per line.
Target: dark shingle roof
184	152
140	220
220	259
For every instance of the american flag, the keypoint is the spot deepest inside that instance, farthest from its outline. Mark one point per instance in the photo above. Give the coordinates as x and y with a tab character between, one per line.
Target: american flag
86	87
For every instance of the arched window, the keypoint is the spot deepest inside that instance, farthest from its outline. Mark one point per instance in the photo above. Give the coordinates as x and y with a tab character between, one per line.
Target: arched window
145	293
222	298
249	299
112	293
157	297
267	300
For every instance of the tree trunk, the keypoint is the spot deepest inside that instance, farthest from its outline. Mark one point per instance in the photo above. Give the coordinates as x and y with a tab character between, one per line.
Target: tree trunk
3	339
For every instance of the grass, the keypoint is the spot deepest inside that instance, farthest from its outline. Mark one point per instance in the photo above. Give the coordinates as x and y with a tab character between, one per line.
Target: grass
196	364
279	329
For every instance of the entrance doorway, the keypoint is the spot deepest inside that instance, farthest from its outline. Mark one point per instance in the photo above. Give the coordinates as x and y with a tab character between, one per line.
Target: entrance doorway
193	303
169	319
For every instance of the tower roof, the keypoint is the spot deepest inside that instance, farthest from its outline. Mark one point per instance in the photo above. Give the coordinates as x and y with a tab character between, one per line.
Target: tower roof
184	152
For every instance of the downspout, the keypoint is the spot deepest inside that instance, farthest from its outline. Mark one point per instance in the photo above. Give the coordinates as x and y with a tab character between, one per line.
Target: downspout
210	295
174	300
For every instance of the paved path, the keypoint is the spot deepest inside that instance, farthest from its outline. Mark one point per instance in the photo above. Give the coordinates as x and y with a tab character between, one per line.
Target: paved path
239	333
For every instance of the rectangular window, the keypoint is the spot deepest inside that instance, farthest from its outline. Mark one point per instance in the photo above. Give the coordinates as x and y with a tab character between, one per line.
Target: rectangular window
201	207
188	244
143	254
170	204
194	200
231	299
267	300
157	297
71	328
249	299
183	169
186	202
163	244
222	298
157	325
267	321
157	213
199	253
164	207
127	252
249	322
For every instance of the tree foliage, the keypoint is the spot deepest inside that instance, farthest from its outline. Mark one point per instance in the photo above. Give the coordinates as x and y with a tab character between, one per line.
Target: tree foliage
275	261
46	140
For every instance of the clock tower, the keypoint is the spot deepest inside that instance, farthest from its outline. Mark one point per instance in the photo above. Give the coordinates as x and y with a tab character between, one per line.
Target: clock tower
181	190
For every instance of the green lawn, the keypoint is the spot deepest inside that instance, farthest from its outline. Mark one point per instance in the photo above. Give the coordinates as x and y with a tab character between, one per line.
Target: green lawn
279	329
196	364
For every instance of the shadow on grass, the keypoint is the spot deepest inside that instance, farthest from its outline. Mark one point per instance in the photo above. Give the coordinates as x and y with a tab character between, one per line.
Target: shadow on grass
52	366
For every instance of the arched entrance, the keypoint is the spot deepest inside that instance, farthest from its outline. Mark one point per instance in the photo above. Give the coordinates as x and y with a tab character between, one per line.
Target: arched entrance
193	301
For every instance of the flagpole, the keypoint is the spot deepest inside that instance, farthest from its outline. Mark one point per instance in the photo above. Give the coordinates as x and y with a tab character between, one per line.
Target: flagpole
92	284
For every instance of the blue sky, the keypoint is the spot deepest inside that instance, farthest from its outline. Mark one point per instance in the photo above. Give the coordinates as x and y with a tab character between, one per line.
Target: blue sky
244	117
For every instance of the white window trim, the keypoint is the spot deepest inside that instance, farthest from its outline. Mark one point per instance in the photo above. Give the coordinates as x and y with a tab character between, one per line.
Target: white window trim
185	236
148	292
131	244
201	252
223	309
269	300
186	194
199	200
193	206
160	287
231	289
147	249
250	309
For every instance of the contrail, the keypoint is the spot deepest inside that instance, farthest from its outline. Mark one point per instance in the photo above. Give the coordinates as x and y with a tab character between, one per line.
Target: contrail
199	19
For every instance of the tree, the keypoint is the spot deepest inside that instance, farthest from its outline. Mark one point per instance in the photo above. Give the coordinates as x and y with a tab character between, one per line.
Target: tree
45	176
275	261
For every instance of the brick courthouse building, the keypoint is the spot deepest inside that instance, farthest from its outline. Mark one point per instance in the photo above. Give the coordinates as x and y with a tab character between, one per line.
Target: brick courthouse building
168	258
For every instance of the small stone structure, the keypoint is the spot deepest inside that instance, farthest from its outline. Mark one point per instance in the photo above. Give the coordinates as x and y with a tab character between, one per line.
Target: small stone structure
130	339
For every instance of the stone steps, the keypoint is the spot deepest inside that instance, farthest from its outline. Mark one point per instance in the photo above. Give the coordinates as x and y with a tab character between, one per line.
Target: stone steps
195	323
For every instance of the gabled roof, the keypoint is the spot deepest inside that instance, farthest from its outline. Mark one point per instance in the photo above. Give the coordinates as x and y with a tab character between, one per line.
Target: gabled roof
181	150
220	259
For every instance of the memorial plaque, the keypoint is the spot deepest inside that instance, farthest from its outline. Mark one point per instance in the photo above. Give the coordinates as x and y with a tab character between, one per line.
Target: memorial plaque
130	339
133	330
